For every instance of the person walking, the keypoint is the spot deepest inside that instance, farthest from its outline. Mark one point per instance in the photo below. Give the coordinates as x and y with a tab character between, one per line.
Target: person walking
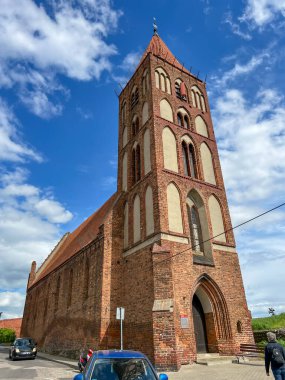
274	355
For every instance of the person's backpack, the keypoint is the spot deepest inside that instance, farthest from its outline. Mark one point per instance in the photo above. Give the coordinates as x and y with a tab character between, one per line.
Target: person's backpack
277	356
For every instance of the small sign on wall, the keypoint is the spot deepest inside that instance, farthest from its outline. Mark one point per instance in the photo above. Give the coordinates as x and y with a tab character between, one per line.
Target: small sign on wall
184	321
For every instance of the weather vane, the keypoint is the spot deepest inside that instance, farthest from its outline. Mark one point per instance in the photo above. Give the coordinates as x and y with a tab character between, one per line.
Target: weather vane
155	27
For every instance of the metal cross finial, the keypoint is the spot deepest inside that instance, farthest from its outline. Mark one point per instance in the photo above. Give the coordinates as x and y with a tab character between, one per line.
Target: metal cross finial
155	27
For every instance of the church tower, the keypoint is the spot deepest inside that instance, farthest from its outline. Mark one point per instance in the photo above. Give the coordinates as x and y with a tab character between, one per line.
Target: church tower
180	279
162	246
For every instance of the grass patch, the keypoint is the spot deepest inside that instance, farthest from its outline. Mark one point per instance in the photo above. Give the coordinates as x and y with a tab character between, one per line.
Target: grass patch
268	323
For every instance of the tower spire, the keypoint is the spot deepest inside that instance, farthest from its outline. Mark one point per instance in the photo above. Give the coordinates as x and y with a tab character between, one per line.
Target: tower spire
154	27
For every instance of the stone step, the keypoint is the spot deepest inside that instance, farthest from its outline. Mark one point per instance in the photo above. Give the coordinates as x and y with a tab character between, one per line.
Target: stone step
214	359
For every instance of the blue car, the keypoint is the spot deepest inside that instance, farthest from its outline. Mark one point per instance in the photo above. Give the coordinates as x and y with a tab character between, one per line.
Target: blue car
119	365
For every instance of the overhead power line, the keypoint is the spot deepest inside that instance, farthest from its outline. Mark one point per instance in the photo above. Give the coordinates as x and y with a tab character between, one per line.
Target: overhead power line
222	233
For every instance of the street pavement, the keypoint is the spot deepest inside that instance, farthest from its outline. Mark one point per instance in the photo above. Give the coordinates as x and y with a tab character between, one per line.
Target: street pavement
50	367
38	369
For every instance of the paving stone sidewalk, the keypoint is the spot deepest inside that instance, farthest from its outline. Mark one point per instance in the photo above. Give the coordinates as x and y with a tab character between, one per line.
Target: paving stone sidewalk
244	371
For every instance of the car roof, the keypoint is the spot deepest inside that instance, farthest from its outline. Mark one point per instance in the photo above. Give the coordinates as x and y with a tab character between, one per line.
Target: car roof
105	354
24	338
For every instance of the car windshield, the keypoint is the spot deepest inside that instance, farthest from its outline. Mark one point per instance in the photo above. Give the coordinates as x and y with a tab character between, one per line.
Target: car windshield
122	369
25	342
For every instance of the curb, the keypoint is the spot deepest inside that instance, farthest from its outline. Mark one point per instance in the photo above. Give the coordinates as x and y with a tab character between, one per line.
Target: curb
55	359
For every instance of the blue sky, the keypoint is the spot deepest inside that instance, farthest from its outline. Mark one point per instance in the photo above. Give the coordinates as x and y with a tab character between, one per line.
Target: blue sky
60	65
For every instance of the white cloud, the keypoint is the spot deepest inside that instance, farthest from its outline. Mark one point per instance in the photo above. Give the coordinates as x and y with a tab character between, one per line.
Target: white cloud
53	211
131	61
241	69
251	139
262	12
236	28
12	303
38	44
11	146
29	227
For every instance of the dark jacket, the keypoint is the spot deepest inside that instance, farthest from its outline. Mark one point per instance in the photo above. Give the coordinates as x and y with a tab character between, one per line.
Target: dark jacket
268	355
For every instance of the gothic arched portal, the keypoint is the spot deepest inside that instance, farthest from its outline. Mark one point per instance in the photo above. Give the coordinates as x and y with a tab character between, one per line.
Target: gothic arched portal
210	316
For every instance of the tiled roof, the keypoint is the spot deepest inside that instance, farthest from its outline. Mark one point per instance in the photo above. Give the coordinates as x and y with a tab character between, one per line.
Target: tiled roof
159	48
79	238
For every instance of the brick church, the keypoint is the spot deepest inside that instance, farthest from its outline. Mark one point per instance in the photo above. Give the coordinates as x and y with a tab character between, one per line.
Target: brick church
162	246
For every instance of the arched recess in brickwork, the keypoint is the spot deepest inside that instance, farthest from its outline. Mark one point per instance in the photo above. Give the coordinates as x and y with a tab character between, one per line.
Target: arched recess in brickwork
174	209
125	136
166	110
189	157
183	118
137	219
169	150
149	211
181	90
146	151
216	219
125	172
198	100
145	82
207	163
145	113
57	290
201	126
70	287
86	278
198	224
162	80
124	112
126	225
218	305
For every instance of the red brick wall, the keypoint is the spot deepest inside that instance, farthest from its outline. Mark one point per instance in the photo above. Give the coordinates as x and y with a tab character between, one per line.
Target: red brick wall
14	324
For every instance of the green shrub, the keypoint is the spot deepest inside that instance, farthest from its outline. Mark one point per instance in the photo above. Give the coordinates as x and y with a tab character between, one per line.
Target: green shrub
263	343
7	335
269	323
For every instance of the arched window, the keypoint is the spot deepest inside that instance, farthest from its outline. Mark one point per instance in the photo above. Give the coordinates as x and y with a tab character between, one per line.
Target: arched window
180	119
186	122
125	172
183	118
162	80
137	219
198	100
181	90
149	226
146	151
126	225
136	164
189	160
135	125
125	136
145	82
195	229
198	224
145	114
123	112
134	97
